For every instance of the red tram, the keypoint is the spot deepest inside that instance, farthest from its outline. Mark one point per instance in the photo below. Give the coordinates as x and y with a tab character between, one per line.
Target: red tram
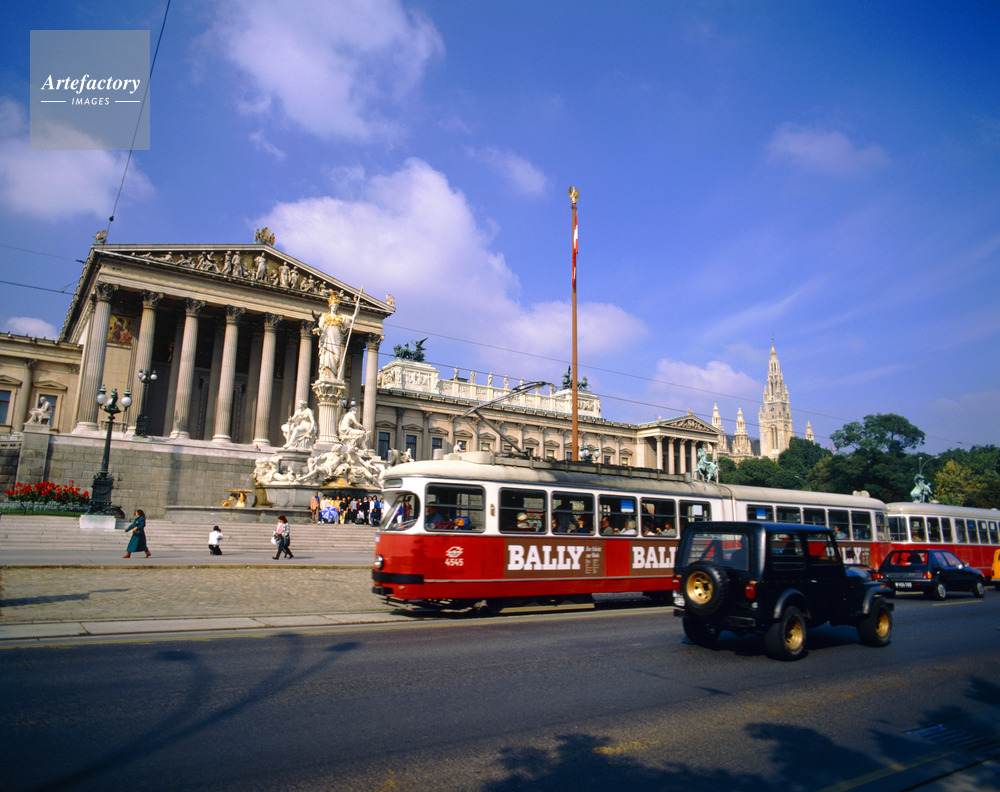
477	531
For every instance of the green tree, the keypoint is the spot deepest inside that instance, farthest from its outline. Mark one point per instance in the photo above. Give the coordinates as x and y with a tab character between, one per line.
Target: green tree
762	472
886	432
962	485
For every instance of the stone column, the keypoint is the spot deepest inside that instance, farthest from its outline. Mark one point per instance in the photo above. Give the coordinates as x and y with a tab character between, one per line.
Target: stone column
305	363
670	456
288	375
185	373
227	375
400	440
23	397
93	368
266	383
144	344
693	456
659	453
253	379
371	382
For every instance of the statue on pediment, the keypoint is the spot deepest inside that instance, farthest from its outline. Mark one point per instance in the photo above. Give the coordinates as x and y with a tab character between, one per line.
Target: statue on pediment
263	236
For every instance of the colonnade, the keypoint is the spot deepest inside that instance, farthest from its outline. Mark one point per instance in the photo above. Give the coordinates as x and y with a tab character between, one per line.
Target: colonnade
261	377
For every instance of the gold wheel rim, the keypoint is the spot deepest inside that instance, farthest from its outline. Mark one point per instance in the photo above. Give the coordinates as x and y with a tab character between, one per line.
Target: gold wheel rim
699	588
794	634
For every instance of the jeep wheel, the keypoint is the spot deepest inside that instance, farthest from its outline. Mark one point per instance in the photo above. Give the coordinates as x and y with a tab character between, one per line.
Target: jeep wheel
786	638
978	589
704	586
701	632
875	629
936	591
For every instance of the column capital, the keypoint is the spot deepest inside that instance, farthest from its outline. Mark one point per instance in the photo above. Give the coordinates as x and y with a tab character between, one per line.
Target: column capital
192	307
105	291
271	321
29	363
373	340
151	299
234	314
306	328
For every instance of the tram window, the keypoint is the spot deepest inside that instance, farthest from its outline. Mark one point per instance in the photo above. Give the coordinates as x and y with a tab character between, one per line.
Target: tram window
960	535
984	537
787	514
946	530
814	516
933	529
918	531
659	517
897	529
840	523
572	513
994	539
618	515
453	507
758	513
694	511
881	531
522	511
401	511
861	525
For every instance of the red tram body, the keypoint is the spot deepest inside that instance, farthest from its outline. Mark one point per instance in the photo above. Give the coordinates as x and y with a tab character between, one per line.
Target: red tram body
477	531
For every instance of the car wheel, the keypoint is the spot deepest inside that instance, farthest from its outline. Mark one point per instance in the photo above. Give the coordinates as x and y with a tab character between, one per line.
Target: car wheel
704	586
978	589
701	632
786	638
876	628
937	591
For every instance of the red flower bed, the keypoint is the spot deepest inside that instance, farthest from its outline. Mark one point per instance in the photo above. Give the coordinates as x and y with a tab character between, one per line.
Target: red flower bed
46	491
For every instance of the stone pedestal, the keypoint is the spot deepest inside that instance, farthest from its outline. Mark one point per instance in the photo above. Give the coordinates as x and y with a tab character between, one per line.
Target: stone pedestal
31	464
97	522
330	397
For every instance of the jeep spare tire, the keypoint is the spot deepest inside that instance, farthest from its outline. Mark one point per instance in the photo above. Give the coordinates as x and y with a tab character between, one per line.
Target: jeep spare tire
704	586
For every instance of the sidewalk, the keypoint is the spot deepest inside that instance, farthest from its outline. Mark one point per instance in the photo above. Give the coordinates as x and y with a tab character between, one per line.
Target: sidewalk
70	593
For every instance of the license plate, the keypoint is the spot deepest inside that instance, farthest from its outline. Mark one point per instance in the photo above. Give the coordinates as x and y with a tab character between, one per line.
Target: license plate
904	585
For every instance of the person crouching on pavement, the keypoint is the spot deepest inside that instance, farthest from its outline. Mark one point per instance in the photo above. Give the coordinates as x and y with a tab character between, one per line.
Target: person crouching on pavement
213	540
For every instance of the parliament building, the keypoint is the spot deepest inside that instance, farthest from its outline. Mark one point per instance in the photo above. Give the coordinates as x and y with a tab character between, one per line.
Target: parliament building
229	331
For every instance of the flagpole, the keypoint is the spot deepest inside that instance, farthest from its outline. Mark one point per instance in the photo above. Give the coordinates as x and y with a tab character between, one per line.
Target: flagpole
574	196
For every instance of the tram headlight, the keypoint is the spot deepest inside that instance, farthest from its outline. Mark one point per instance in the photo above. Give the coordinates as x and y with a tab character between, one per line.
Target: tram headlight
379	562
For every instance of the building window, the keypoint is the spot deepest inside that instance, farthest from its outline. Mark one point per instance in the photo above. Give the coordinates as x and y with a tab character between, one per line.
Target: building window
4	406
436	445
383	445
460	445
550	453
484	445
411	446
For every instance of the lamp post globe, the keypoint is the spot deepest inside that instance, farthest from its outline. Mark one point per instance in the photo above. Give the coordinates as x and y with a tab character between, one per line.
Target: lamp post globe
147	378
100	497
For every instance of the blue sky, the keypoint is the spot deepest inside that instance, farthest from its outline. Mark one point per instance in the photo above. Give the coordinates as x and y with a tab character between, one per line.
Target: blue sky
826	175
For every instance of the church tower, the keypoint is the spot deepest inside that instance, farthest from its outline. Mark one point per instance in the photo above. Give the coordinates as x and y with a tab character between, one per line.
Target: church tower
775	416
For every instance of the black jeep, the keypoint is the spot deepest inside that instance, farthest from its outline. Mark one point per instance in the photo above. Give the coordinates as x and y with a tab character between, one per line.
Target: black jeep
776	579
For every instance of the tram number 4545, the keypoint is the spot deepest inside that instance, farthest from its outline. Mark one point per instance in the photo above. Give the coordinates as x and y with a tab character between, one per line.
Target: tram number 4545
454	557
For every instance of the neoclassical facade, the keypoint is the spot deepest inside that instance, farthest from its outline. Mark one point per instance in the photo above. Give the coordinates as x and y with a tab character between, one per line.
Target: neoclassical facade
232	332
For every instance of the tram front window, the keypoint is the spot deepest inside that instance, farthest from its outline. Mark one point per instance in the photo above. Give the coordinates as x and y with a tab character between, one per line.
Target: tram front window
401	511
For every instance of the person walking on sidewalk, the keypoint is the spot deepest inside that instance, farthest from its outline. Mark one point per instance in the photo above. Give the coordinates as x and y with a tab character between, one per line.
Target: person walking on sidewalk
213	541
138	540
282	537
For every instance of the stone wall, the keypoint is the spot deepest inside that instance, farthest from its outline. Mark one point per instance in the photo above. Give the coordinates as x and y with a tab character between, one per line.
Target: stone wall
10	450
151	475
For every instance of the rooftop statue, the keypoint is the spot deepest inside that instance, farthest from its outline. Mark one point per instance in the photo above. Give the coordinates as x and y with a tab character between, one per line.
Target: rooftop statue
403	351
708	468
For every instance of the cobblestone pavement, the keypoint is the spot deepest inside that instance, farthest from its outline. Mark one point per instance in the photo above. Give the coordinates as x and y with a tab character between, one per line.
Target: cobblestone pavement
34	595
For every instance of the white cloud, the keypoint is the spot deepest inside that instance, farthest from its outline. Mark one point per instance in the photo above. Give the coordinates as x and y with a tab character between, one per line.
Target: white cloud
820	151
30	326
683	385
261	142
524	177
52	185
412	233
330	67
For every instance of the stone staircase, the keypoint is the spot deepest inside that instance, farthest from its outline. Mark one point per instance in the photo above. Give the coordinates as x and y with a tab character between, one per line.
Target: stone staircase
64	533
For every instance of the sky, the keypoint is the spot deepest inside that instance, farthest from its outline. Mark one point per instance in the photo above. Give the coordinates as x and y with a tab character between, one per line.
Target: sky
820	176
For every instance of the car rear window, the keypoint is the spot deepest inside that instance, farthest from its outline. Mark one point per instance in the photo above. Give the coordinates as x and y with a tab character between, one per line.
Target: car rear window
730	550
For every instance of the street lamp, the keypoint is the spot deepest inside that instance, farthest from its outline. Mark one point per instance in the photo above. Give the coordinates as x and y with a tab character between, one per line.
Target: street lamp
104	482
142	422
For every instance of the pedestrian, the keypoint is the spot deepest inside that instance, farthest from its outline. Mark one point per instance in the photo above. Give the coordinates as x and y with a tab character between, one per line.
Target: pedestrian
282	537
213	540
138	540
314	507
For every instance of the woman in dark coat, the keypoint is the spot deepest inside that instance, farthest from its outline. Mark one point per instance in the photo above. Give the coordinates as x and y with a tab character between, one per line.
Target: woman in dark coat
138	540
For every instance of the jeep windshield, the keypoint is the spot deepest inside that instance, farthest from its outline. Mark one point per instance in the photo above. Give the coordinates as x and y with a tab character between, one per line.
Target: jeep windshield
727	549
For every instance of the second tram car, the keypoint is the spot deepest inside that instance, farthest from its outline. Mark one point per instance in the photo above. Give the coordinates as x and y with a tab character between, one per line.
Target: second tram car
477	531
971	534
